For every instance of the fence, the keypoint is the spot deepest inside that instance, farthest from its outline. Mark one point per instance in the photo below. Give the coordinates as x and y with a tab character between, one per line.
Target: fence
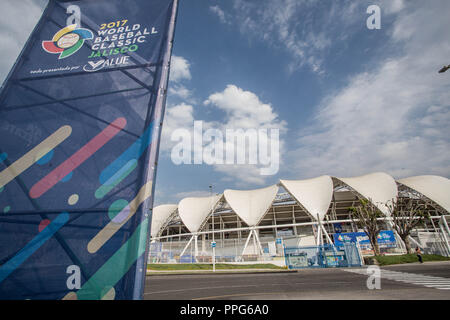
231	250
432	243
323	256
227	250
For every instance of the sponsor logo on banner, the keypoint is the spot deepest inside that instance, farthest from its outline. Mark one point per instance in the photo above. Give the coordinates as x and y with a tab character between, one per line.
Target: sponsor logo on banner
93	66
385	238
67	41
110	45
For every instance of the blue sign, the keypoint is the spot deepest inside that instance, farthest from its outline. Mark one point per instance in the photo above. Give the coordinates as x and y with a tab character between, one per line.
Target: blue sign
337	227
187	258
385	239
213	244
80	121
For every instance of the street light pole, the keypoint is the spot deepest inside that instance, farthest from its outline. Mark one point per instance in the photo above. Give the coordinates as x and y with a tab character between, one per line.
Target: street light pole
213	243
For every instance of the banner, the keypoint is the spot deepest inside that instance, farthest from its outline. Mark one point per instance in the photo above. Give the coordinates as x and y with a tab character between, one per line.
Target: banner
385	239
80	122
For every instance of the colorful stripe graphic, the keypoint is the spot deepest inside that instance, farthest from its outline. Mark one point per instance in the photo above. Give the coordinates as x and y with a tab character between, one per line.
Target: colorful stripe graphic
32	156
122	217
33	245
116	179
3	156
103	281
77	158
134	152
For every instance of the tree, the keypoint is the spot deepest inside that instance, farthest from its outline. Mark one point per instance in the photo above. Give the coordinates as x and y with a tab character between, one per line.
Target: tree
365	216
407	214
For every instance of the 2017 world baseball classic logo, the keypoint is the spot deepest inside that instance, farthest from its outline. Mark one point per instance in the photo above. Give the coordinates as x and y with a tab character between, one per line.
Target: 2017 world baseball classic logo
67	41
111	44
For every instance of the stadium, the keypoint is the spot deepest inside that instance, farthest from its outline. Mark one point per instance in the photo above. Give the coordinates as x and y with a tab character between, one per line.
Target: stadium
255	225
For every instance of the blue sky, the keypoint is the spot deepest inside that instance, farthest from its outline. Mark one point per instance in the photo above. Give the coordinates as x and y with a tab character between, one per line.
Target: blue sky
347	100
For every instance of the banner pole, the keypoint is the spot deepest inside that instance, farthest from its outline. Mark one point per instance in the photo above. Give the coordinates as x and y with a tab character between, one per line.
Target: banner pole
157	118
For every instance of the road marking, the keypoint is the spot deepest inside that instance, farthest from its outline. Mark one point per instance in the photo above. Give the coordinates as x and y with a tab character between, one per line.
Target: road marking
202	288
411	278
239	286
239	295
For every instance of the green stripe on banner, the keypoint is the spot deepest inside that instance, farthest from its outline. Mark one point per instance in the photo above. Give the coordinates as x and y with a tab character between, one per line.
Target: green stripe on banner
116	267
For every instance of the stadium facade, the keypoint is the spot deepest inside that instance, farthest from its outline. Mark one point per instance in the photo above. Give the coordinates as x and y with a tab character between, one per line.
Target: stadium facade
256	224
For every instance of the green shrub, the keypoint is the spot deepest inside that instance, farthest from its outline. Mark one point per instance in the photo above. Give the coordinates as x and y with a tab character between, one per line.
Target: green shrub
406	258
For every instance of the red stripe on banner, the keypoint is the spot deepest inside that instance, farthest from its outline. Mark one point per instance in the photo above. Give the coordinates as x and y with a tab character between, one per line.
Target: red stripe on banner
77	158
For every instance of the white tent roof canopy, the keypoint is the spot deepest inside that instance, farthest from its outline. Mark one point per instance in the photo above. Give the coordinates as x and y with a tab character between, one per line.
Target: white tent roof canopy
251	205
379	188
314	195
435	188
194	211
160	214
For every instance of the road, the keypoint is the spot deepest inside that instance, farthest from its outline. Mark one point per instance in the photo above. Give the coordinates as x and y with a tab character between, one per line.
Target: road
412	281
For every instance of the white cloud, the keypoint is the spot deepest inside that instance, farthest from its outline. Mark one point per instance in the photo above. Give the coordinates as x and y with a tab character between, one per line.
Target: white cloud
219	12
306	29
241	175
176	117
244	109
18	20
395	117
165	196
393	6
179	69
188	194
277	23
181	92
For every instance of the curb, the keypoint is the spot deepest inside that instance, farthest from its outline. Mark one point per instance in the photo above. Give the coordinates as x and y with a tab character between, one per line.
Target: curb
210	272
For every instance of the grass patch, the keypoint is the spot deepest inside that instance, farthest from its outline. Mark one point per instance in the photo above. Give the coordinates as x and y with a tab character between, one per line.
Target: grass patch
408	258
205	266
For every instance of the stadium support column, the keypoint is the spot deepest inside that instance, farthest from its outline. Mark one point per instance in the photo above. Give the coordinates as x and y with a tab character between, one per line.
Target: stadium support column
319	234
293	220
196	246
444	222
246	242
255	247
258	242
187	245
327	235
